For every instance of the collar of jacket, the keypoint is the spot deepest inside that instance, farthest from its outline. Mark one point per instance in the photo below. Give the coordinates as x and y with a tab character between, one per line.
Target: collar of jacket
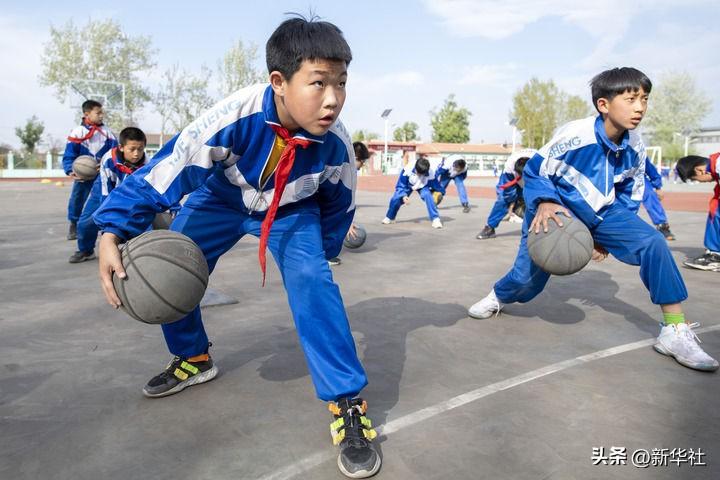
605	141
271	116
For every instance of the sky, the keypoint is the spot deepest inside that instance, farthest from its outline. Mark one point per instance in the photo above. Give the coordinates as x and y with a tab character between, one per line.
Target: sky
407	55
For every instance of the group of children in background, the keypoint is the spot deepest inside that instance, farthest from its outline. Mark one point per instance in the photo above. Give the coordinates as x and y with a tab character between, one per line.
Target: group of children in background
237	163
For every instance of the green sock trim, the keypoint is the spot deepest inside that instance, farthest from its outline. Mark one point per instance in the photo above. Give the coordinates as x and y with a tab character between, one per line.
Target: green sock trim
671	318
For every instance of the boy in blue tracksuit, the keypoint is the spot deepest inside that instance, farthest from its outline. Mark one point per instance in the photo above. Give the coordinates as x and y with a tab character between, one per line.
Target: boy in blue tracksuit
508	190
595	168
704	169
419	178
115	165
91	138
454	168
273	161
652	198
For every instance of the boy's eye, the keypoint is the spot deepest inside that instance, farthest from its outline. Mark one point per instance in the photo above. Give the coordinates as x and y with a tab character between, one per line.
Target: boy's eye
318	83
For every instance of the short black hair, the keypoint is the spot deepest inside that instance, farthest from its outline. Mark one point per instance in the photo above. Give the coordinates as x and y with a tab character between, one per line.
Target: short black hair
459	163
298	39
422	166
616	81
520	165
361	151
89	105
132	133
685	167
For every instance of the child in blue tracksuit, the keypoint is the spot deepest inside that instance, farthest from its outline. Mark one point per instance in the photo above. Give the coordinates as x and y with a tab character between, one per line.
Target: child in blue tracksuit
651	200
453	168
508	190
116	164
272	161
704	169
594	169
418	178
90	138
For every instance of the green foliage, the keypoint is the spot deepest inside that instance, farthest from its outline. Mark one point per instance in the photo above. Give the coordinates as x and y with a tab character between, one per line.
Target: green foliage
30	134
676	109
406	133
573	107
182	97
99	50
236	69
451	124
364	136
537	107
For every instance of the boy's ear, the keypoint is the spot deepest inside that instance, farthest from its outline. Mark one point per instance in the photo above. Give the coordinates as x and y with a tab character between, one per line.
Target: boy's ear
278	82
602	105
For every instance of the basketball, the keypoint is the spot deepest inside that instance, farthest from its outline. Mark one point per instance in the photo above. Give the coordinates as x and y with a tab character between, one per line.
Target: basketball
562	250
85	167
357	242
166	277
162	221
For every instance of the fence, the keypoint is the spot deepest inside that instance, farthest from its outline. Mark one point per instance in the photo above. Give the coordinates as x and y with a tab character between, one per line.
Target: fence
31	165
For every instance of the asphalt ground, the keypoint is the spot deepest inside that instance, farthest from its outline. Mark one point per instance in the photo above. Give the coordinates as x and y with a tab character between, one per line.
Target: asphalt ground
534	393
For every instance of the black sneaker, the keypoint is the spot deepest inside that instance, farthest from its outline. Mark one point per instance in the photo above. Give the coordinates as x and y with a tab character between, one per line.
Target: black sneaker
179	374
664	228
72	231
79	257
487	232
710	262
335	261
353	431
466	207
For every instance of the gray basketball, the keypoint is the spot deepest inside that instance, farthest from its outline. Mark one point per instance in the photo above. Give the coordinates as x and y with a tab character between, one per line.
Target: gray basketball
562	250
357	242
85	167
166	277
162	221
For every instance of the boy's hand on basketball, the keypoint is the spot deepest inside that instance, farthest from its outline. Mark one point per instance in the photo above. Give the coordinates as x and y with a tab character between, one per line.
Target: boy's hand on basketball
546	211
599	253
660	194
110	261
73	176
406	200
352	233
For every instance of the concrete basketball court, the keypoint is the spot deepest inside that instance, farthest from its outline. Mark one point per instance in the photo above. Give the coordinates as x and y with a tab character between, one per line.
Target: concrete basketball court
526	395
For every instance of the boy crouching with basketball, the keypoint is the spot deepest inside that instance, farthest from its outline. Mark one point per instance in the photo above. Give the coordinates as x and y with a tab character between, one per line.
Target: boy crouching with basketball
595	168
275	162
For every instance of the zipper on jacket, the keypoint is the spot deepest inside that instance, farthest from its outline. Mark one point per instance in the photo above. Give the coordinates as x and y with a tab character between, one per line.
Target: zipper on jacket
256	198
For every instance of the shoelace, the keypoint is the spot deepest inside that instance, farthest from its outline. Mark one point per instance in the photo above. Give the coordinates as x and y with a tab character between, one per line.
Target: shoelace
690	335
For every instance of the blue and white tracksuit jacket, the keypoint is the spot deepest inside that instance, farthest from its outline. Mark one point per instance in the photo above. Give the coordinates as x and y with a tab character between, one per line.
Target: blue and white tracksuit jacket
506	194
650	200
220	157
96	146
602	184
445	173
409	181
712	226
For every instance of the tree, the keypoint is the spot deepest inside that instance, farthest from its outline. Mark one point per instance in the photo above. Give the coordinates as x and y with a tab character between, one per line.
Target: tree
677	108
182	97
451	124
406	133
236	69
574	107
364	136
99	50
31	133
537	107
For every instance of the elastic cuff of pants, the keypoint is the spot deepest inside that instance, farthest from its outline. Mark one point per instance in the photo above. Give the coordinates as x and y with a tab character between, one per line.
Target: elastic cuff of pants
673	318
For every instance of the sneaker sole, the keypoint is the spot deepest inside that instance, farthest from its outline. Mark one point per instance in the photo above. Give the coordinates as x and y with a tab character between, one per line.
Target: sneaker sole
360	473
84	259
484	315
706	268
194	380
660	348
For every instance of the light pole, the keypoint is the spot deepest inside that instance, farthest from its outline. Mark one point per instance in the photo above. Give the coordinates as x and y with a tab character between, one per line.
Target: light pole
384	115
513	123
686	135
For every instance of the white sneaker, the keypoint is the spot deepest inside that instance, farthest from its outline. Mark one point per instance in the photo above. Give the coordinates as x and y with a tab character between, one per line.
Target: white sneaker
680	342
387	221
515	219
487	307
436	223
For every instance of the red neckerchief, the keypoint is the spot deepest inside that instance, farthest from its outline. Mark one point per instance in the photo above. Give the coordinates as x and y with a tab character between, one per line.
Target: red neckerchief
93	128
512	182
282	172
715	200
121	167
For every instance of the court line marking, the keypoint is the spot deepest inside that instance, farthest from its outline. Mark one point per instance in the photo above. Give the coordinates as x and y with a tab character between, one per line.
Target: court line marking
311	461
